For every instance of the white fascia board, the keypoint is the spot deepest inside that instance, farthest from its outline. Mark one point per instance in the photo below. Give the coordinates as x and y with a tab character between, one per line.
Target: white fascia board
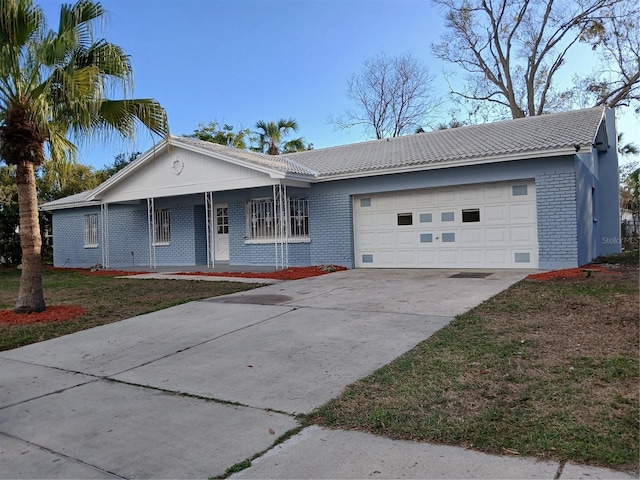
455	163
63	206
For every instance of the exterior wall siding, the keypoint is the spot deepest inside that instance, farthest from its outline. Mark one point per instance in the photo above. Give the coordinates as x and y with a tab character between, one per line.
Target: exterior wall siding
200	234
331	229
68	239
563	190
557	221
608	198
587	211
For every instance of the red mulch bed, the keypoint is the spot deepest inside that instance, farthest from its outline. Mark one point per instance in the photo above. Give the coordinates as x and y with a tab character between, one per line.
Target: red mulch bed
571	273
55	313
291	273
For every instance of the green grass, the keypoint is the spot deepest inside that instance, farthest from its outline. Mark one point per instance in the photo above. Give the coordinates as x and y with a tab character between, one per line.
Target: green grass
547	369
105	299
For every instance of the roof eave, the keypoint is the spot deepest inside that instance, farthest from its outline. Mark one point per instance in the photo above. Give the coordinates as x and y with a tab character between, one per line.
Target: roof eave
63	206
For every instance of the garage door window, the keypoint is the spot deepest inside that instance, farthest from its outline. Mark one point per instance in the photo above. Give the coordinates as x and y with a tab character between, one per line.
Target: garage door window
426	238
425	218
447	216
448	237
472	215
519	190
405	219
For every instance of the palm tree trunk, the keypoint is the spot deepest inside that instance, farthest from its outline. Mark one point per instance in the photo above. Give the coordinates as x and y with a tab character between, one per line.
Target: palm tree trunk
31	295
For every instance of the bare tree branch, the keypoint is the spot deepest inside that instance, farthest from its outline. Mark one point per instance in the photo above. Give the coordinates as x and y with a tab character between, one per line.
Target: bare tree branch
390	97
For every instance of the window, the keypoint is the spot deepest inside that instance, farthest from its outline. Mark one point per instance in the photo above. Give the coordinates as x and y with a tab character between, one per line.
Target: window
222	220
91	231
448	237
405	219
298	217
162	227
263	219
425	217
472	215
518	190
447	216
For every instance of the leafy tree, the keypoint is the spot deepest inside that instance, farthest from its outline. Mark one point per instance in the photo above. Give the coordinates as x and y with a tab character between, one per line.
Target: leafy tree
79	178
271	137
9	218
120	161
390	97
223	136
512	51
53	86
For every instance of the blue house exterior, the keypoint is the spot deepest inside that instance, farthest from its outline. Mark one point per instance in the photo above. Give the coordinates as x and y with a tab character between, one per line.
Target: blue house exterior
531	193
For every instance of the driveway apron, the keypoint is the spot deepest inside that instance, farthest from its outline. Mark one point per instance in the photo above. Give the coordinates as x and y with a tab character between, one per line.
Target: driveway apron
189	391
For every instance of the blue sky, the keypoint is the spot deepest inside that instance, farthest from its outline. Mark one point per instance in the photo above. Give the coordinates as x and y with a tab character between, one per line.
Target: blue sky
241	61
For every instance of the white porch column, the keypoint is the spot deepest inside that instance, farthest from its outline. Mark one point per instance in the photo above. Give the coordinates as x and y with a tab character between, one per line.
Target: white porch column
104	219
211	225
152	229
280	213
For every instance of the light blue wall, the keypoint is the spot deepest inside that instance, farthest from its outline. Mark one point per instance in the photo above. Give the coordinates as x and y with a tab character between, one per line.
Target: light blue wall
68	239
609	193
557	222
567	234
128	235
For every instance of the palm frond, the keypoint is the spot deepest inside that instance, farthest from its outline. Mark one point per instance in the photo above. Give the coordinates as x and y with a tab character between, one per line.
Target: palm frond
123	116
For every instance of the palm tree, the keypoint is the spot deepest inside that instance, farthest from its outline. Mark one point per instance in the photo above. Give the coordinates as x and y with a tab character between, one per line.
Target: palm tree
271	137
53	85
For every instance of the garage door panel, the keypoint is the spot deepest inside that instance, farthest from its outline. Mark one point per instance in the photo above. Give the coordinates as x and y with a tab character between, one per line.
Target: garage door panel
386	239
367	240
520	213
473	258
471	236
524	234
449	258
495	214
496	235
497	258
495	193
428	258
406	238
427	228
425	199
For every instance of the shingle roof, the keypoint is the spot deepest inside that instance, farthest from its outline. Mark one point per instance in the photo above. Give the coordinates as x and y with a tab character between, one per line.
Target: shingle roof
276	162
476	142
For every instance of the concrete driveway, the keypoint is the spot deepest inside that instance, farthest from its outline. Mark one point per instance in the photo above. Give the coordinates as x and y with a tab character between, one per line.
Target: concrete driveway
189	391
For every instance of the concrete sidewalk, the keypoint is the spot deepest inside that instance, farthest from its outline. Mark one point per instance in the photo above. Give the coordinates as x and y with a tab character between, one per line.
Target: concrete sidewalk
192	390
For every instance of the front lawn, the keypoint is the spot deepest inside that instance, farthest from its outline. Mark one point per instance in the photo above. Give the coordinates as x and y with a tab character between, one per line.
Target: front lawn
546	369
105	299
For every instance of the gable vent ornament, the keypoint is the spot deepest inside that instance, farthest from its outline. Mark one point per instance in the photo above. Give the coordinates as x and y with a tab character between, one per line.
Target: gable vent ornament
177	166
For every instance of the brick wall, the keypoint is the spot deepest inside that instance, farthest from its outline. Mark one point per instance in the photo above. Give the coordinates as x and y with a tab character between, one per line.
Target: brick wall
68	239
331	229
557	220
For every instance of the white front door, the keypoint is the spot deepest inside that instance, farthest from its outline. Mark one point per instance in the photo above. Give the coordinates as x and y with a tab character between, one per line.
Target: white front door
221	229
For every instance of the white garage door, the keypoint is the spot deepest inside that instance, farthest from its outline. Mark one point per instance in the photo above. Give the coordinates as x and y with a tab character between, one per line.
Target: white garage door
474	226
